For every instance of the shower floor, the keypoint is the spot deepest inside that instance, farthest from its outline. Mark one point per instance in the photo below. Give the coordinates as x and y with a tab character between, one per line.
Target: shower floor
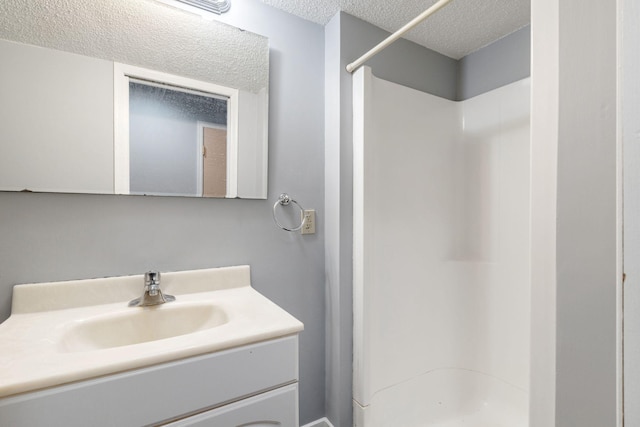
447	398
481	419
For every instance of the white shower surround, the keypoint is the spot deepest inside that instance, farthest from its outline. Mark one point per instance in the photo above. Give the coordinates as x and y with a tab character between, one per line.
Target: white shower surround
441	257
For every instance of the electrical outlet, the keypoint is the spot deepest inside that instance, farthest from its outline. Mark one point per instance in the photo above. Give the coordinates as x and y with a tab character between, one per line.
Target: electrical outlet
309	216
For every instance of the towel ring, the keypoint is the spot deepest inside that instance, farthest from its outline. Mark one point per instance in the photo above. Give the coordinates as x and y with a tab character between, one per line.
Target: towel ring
285	200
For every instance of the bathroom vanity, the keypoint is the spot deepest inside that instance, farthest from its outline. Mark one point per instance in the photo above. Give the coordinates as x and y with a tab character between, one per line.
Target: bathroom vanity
227	356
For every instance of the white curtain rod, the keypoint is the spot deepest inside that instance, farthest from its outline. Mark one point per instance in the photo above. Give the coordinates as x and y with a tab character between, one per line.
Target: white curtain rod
395	36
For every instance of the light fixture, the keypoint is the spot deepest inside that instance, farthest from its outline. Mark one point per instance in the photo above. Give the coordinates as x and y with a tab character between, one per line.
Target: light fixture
215	6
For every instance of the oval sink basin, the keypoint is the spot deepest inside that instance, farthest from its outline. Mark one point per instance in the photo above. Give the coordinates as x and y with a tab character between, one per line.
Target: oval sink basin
137	325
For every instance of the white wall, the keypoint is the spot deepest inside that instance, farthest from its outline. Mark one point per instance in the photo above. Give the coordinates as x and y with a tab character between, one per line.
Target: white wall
574	231
630	121
35	121
441	248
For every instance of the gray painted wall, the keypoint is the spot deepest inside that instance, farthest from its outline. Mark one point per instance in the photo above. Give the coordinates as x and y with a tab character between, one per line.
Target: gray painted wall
403	62
48	237
505	61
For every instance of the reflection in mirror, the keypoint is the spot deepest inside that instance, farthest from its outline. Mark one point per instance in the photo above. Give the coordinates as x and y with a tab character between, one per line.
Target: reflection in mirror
61	121
173	135
171	150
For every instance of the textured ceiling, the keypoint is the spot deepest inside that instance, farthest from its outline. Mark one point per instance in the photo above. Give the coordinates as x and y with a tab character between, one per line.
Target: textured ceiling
144	33
462	27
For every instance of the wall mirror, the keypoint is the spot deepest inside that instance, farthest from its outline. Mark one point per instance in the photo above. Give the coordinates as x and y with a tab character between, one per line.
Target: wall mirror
130	97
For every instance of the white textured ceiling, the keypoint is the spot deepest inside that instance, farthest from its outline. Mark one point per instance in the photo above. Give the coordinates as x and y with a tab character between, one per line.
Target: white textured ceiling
462	27
143	33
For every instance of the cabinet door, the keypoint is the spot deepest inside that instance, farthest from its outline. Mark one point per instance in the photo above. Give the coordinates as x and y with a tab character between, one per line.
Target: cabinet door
275	408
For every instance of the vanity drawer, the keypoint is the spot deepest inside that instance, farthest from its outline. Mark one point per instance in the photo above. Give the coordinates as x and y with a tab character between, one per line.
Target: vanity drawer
160	393
274	408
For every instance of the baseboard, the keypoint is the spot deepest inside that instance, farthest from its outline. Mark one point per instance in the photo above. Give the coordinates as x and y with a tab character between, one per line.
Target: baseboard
322	422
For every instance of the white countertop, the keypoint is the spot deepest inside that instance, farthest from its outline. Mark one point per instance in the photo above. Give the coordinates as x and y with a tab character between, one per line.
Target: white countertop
33	353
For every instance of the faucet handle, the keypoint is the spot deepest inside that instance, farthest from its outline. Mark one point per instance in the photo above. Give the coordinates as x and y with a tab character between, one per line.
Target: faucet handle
152	278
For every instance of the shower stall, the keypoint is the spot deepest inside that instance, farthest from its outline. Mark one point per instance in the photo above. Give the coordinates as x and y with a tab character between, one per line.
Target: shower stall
441	257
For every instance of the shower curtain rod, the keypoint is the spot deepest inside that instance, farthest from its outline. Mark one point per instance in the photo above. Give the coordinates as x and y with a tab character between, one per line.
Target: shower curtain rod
395	36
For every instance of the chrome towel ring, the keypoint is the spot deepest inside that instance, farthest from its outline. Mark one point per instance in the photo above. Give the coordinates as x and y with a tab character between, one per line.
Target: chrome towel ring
285	200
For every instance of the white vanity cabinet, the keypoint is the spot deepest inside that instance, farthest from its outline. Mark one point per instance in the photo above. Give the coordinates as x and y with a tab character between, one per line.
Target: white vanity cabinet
251	386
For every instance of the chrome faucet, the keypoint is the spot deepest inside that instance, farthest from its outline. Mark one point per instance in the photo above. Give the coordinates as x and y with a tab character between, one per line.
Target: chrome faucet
152	294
